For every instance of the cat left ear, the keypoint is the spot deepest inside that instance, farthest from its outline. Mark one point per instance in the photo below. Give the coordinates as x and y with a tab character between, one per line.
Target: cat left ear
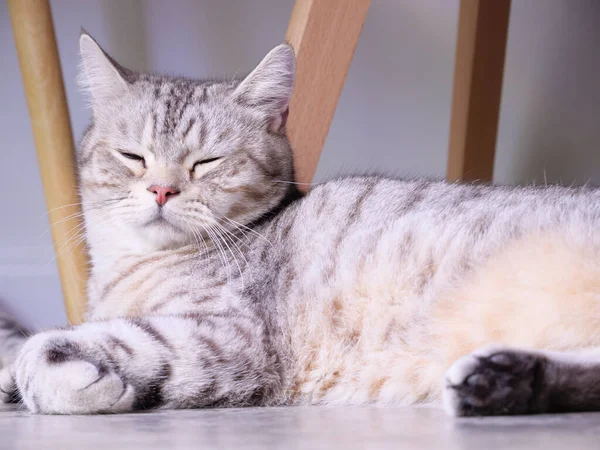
269	87
99	74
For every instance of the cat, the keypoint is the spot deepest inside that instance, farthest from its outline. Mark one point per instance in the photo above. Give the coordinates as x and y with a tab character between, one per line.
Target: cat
215	283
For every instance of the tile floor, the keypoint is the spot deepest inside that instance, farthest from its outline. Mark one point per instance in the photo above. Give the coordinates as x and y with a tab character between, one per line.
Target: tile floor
297	428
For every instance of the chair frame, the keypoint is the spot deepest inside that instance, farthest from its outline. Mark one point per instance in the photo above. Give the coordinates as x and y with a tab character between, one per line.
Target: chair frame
324	34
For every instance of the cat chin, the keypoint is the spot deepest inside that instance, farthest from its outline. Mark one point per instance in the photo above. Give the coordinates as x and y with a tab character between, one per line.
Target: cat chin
163	234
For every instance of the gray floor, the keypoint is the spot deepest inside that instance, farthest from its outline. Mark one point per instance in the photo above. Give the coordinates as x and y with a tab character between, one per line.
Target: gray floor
297	428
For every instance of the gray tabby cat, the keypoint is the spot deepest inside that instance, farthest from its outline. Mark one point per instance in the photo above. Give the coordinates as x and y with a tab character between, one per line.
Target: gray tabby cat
214	283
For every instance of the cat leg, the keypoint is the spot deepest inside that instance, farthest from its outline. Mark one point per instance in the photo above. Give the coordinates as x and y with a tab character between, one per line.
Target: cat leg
142	363
510	381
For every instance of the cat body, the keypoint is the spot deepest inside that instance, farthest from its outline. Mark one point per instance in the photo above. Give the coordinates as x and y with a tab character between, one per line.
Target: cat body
372	311
214	283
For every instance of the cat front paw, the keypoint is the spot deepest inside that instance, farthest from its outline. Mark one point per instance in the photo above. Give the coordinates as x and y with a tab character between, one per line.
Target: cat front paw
492	381
56	374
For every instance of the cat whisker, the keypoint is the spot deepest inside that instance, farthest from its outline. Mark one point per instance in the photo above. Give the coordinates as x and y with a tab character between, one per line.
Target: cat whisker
216	242
80	214
235	259
73	216
239	230
214	238
296	183
78	236
197	236
237	224
70	205
238	238
228	235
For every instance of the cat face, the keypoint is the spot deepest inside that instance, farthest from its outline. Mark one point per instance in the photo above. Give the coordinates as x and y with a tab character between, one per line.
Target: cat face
169	160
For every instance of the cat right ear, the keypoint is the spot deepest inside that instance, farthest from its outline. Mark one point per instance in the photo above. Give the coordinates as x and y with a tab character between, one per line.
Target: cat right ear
99	74
268	88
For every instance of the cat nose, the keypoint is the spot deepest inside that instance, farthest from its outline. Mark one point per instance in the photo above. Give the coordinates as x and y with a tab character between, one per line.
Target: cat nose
163	193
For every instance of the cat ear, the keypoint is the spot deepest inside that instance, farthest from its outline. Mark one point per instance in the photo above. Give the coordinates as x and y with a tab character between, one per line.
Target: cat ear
269	87
99	74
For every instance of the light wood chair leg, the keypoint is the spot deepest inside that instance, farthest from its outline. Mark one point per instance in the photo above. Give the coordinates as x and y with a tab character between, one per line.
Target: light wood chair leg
42	78
480	51
324	34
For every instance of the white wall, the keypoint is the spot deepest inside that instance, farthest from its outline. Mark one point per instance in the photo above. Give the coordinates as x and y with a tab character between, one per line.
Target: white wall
550	117
393	115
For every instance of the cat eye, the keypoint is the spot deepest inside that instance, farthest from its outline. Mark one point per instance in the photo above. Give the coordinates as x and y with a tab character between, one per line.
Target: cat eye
132	156
205	161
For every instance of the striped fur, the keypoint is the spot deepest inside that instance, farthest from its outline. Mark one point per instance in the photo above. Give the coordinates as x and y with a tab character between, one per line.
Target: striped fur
240	292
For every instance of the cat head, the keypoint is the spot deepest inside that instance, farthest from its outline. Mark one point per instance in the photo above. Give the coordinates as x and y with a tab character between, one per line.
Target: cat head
167	159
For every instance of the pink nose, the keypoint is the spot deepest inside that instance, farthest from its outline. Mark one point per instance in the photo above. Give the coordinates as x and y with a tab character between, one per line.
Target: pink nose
163	193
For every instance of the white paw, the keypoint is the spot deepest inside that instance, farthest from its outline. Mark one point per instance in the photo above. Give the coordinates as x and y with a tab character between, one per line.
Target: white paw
55	374
493	380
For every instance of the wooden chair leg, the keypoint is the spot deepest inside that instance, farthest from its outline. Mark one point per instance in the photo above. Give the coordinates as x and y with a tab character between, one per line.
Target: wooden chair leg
42	78
324	34
480	51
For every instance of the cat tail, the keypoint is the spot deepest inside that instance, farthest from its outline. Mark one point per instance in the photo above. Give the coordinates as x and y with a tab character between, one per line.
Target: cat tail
12	337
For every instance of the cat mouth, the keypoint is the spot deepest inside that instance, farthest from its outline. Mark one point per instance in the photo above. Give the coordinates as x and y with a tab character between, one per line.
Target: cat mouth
160	220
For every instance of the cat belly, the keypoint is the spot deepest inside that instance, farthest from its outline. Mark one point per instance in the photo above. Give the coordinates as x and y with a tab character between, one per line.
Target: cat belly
540	292
359	342
391	344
